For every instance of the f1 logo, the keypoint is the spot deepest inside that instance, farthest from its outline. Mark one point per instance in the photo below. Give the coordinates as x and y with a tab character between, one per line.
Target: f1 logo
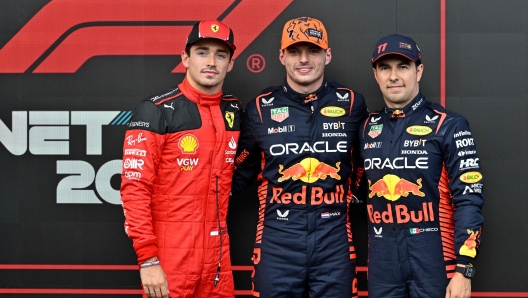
76	31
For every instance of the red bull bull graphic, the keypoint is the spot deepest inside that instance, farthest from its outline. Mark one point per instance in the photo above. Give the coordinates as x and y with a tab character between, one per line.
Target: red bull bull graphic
309	170
392	187
470	245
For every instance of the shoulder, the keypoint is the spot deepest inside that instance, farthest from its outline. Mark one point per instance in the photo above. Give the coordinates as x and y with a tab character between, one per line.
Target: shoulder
265	98
343	90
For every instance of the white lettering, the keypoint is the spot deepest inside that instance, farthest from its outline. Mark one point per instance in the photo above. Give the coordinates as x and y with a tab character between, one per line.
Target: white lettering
319	147
397	163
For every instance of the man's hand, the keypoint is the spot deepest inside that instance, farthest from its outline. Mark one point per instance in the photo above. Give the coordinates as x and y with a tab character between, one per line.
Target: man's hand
459	287
154	282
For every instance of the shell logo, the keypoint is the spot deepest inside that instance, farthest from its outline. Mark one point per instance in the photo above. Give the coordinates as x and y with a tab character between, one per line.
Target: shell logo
188	144
332	111
419	130
471	177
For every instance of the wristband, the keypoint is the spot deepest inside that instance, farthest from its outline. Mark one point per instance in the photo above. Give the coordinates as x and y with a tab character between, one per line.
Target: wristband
150	263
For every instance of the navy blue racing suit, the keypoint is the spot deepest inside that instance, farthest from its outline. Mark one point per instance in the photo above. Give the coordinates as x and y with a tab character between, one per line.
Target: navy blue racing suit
424	198
301	148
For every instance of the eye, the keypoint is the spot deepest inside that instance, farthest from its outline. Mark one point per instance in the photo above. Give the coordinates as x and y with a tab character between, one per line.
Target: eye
221	56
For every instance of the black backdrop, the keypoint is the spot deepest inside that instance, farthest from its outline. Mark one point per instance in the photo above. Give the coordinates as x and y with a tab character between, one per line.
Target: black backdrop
62	121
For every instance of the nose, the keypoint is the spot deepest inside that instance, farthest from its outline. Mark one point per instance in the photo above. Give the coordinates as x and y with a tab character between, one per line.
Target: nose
393	74
211	60
304	55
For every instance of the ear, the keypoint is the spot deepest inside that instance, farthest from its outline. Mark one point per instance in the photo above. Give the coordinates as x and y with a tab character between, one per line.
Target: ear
419	72
328	53
231	64
375	71
281	56
185	59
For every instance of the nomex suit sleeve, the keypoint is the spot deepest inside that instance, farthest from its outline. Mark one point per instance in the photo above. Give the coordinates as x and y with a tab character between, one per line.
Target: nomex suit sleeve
465	187
248	157
141	154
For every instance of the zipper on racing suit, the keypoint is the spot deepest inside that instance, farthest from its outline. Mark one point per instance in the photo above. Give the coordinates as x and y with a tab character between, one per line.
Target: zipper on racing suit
217	276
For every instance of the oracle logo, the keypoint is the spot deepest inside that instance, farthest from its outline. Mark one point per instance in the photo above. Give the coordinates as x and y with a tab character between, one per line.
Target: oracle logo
76	31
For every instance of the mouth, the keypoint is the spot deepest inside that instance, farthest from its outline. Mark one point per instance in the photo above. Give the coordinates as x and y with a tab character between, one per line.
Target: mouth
209	72
394	87
304	69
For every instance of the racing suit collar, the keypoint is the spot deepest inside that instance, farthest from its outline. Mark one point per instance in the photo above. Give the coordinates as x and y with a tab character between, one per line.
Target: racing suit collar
198	97
305	98
417	103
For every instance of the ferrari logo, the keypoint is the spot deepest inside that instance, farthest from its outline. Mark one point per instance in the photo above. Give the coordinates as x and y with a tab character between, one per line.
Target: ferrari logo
215	28
230	117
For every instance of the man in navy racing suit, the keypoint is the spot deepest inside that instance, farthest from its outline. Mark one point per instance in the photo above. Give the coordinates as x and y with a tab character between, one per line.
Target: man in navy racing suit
425	185
298	139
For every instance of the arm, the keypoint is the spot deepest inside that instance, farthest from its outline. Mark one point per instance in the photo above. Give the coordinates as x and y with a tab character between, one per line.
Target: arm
465	186
359	186
141	153
248	157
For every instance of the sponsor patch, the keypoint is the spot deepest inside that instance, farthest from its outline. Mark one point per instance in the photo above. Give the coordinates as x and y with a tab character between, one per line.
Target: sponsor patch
188	144
279	114
418	130
471	177
375	130
332	111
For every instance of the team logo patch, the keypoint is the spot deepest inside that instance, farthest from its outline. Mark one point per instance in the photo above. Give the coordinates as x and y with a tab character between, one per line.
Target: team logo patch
309	170
392	187
279	114
215	28
188	144
332	111
375	130
230	118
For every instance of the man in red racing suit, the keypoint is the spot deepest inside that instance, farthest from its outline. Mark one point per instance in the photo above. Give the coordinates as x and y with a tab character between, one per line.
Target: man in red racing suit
177	167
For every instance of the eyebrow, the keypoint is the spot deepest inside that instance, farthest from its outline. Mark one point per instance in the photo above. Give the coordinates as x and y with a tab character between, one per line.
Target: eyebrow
205	48
402	62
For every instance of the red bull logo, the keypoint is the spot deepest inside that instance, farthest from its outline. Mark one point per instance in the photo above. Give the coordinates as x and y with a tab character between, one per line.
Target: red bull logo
317	196
392	187
402	214
309	170
470	245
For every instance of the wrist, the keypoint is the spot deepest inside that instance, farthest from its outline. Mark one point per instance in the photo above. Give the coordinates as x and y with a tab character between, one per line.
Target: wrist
150	262
468	271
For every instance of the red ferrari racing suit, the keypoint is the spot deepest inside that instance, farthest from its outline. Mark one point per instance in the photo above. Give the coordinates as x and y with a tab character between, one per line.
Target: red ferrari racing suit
178	158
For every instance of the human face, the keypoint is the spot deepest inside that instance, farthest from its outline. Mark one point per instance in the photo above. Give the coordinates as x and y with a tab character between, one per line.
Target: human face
305	64
207	64
398	80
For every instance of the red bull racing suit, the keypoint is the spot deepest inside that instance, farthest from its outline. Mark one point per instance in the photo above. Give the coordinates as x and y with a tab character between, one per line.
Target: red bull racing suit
177	167
301	146
424	198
